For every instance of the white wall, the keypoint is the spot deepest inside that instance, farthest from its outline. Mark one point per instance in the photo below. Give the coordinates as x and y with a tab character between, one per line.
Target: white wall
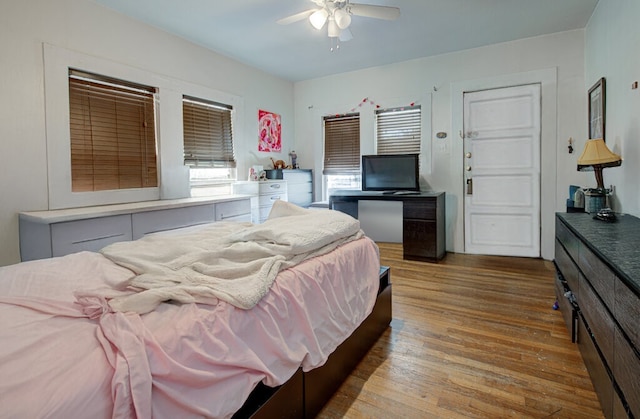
436	79
612	51
89	29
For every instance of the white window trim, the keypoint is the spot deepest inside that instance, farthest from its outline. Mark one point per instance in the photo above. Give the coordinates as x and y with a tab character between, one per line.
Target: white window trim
173	175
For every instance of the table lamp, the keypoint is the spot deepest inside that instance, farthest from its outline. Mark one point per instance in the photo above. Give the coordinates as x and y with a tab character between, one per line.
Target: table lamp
596	156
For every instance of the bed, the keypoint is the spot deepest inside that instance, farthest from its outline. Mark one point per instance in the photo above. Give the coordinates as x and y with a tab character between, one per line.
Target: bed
158	327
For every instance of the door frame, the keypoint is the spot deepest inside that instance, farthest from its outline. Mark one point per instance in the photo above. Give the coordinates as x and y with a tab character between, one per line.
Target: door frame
547	78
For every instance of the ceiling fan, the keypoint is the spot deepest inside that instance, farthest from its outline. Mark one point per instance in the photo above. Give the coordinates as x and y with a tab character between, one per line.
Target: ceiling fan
337	15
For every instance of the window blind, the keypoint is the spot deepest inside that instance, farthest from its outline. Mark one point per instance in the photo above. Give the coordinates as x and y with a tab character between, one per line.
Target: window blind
398	131
112	128
208	134
342	144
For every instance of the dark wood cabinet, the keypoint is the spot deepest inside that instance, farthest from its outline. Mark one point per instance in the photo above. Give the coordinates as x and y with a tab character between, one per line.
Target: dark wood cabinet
598	290
423	219
423	228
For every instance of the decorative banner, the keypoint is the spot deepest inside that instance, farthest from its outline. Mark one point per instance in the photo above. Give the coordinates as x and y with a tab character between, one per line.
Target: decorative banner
269	131
367	101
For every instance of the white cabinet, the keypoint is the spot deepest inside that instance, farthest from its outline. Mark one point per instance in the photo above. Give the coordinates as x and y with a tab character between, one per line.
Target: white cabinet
299	186
45	234
264	194
75	236
143	223
250	188
234	211
269	192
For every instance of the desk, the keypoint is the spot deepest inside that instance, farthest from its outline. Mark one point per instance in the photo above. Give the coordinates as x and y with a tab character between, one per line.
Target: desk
423	229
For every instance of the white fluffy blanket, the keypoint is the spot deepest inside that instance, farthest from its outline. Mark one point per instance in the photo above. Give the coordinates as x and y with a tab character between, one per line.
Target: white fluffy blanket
233	262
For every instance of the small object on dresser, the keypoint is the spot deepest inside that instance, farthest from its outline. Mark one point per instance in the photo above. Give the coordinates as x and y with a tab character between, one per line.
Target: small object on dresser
294	159
606	214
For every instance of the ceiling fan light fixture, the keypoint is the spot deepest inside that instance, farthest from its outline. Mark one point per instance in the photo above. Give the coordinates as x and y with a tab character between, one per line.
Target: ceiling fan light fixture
342	18
318	18
332	28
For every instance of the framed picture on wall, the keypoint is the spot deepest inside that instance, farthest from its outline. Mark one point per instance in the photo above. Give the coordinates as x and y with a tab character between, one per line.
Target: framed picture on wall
597	110
269	131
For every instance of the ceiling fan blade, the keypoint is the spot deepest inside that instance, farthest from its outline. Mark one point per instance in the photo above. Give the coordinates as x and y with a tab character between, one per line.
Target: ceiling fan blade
377	12
345	35
295	18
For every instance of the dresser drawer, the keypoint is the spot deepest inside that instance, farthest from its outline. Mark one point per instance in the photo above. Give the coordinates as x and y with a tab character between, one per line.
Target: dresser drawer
568	269
233	210
268	200
627	311
599	275
272	187
423	209
565	307
599	320
600	378
627	372
295	176
161	220
299	188
91	234
568	240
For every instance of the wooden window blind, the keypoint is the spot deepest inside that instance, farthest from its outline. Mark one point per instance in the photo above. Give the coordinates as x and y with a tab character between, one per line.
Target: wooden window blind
113	135
398	131
208	134
342	144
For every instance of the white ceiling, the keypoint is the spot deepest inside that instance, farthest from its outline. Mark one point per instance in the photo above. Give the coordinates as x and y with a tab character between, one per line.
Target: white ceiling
246	30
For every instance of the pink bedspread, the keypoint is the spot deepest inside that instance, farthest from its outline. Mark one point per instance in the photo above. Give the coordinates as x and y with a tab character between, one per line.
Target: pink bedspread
59	359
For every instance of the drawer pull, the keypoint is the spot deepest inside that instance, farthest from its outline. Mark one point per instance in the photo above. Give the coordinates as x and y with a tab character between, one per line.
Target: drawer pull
275	186
569	296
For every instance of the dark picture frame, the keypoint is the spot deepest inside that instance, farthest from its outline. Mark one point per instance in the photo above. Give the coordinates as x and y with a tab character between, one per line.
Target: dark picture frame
597	107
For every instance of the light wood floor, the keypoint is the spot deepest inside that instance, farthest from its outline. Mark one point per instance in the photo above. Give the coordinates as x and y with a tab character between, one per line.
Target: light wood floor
471	336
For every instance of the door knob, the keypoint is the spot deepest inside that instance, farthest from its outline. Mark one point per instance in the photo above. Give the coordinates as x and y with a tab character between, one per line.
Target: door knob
468	154
468	168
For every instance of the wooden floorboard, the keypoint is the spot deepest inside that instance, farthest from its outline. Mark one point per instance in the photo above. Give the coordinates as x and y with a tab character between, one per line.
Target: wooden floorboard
471	337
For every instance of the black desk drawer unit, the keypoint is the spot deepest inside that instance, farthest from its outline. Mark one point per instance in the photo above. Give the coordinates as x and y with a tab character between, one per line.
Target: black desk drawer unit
598	264
423	224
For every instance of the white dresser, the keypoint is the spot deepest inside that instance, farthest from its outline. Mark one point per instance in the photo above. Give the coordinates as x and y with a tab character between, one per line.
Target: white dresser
45	234
265	193
299	186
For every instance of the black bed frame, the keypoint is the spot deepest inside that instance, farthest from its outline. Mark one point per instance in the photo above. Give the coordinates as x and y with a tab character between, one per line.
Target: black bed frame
305	394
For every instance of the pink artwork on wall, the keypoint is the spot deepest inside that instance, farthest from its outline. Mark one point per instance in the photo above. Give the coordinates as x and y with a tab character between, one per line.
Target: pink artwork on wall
269	131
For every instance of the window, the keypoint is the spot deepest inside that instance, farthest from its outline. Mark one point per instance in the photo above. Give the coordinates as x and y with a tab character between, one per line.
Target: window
341	153
208	134
208	145
398	130
112	132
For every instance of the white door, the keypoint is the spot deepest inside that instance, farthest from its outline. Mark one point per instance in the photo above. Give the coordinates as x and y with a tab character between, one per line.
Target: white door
502	171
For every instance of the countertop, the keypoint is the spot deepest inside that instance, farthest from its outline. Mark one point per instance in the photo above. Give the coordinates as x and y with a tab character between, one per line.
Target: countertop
73	214
617	243
356	193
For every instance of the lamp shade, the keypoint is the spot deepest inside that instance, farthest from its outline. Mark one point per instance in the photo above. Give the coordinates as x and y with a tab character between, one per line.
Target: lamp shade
343	19
596	153
596	156
318	18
